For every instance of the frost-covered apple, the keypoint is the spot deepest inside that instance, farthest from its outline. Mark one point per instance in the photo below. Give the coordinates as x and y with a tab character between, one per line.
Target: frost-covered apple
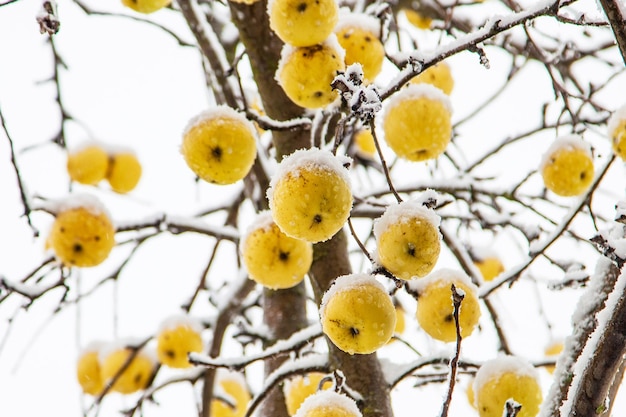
177	337
567	166
408	239
310	195
135	374
357	314
504	378
219	145
306	73
272	258
146	6
88	164
328	404
435	307
439	75
88	371
124	171
82	233
417	122
357	34
616	128
231	386
297	389
302	22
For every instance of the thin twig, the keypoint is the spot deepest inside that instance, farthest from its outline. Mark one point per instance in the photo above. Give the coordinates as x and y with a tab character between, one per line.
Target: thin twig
23	196
457	299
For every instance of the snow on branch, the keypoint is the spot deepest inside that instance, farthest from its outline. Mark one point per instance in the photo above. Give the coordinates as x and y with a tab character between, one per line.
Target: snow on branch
181	224
417	62
539	247
294	343
299	366
29	291
394	373
362	100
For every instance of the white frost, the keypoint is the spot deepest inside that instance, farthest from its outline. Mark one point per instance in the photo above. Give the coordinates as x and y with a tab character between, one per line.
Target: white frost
351	20
327	399
494	368
416	91
347	282
404	212
74	201
566	142
309	159
219	112
616	118
181	320
443	276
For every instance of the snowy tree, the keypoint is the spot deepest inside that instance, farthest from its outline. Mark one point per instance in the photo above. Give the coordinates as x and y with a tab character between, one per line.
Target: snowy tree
204	202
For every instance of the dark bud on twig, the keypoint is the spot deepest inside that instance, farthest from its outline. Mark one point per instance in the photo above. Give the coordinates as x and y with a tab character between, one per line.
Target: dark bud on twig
48	19
512	408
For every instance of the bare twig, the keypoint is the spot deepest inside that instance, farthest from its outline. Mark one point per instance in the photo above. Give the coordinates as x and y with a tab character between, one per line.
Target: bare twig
23	196
457	299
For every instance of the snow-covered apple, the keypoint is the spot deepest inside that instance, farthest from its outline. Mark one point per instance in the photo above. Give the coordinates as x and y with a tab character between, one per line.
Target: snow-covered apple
219	145
357	314
310	195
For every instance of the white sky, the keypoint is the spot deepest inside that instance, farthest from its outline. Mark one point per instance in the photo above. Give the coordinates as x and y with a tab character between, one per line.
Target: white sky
132	84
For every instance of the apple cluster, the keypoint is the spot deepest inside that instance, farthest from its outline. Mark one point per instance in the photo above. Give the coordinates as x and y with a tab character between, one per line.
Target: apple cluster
93	162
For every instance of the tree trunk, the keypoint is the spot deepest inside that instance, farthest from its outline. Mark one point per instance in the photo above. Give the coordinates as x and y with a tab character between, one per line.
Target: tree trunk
363	372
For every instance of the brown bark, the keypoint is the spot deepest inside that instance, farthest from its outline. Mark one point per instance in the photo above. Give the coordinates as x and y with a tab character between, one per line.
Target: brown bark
284	310
618	23
599	374
363	372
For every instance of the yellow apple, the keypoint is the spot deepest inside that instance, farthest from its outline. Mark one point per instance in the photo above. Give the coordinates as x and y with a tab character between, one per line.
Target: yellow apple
82	235
306	73
567	166
146	6
417	19
88	164
439	75
506	378
489	267
358	35
272	258
302	22
177	337
328	404
469	392
435	307
357	314
219	145
553	350
88	370
310	195
408	239
417	122
364	143
616	129
232	387
297	389
134	376
124	171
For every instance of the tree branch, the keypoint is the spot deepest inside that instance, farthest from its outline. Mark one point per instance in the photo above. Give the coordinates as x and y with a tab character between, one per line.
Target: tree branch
616	17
